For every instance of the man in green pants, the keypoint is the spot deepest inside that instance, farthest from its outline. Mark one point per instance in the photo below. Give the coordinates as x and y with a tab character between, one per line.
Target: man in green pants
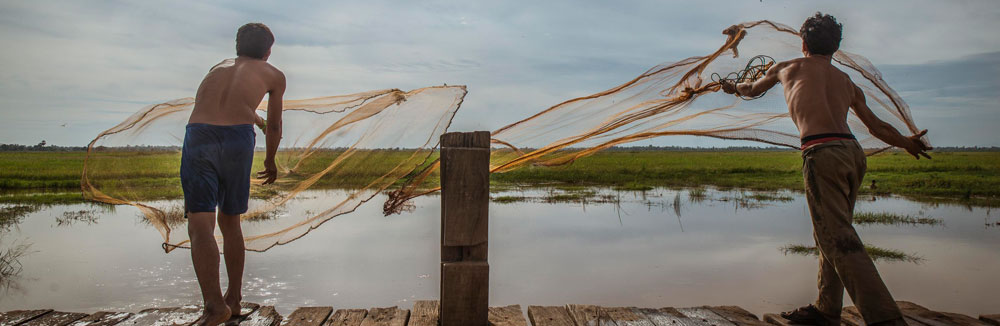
819	97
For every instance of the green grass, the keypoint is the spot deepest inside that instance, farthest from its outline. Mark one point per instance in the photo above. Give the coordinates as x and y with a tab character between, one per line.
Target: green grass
876	253
865	218
508	199
966	177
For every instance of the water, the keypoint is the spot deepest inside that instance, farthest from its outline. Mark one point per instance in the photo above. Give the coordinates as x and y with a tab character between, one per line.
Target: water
652	249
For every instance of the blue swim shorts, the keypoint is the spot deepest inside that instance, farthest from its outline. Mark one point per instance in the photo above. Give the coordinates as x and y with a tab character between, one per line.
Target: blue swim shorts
215	167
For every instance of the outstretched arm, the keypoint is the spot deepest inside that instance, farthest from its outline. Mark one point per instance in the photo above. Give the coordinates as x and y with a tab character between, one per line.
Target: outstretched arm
755	88
272	130
884	131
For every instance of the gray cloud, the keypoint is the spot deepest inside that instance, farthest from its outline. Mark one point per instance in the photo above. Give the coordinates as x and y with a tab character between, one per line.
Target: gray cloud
91	64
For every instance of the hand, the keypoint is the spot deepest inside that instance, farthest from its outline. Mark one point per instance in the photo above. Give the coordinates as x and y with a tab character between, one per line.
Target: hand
917	147
270	172
728	86
262	124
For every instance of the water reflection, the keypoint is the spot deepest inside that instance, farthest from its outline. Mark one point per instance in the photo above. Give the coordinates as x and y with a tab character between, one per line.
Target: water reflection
653	248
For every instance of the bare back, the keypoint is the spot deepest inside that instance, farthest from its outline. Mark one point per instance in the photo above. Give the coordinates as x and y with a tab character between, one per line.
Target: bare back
818	94
232	90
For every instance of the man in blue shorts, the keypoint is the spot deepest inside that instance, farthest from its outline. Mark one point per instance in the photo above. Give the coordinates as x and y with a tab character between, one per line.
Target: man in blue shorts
216	159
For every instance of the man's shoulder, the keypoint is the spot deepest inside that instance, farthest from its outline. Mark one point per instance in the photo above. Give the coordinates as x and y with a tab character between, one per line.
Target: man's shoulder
271	70
789	63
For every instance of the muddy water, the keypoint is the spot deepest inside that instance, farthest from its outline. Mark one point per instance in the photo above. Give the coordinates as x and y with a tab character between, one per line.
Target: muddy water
547	247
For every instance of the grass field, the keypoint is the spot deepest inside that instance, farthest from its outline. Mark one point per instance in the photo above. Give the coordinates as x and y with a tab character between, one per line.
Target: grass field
968	177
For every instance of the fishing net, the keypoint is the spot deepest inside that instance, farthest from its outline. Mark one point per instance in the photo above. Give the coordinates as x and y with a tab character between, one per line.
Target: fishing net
682	98
384	141
360	144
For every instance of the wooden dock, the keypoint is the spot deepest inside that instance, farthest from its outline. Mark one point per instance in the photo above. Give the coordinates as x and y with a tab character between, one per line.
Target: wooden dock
425	313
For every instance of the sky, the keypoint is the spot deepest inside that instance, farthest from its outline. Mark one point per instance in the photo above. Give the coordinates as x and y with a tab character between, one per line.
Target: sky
72	69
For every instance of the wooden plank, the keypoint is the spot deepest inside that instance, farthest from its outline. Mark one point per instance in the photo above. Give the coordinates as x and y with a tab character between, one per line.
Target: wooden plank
991	319
924	315
247	308
56	318
588	315
425	313
15	317
626	316
390	316
668	317
465	293
737	315
507	316
775	319
466	139
850	316
347	317
185	315
705	314
549	316
465	195
102	318
263	316
146	317
308	316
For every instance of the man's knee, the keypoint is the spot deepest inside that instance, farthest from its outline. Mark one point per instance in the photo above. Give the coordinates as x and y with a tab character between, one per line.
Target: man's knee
201	224
228	223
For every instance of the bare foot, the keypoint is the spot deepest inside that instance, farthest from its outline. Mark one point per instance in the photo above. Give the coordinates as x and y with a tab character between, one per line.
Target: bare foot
233	302
213	317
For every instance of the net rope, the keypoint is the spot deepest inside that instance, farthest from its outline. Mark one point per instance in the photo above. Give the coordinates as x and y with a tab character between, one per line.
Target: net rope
342	151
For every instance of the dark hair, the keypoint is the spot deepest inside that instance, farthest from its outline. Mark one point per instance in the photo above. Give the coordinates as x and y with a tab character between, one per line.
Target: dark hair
254	40
821	34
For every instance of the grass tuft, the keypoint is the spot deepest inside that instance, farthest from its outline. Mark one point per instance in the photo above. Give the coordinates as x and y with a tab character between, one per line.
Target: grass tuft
877	253
867	218
11	216
10	266
508	199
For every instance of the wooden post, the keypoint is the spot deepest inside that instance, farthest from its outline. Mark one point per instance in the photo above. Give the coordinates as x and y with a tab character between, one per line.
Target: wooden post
465	196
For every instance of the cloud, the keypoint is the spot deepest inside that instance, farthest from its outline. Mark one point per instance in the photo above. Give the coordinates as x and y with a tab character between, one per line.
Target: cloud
93	63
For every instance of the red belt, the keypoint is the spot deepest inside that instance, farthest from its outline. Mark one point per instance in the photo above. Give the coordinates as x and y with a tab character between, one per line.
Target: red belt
822	138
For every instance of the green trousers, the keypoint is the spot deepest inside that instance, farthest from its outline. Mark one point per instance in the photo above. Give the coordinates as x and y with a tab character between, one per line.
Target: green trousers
833	172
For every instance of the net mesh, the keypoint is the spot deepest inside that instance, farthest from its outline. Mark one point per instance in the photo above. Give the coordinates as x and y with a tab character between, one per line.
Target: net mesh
681	98
362	143
384	141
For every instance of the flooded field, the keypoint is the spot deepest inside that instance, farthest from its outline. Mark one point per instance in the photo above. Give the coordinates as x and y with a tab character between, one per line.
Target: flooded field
654	248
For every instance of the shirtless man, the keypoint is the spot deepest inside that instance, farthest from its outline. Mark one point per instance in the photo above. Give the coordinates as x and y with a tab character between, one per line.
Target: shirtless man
216	159
819	97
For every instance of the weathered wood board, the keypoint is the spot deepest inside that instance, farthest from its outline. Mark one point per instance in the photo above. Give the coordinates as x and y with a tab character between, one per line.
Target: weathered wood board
589	315
346	317
706	315
15	317
146	317
263	316
626	316
102	318
425	313
55	318
549	316
991	319
928	316
507	316
737	315
308	316
391	316
669	317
